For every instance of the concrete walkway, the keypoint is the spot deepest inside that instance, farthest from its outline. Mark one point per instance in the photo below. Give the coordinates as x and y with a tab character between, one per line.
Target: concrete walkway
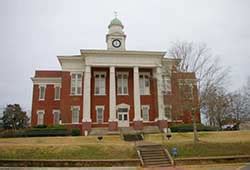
68	168
89	168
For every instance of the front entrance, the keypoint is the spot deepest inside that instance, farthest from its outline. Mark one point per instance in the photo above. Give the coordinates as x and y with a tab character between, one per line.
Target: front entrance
123	120
123	115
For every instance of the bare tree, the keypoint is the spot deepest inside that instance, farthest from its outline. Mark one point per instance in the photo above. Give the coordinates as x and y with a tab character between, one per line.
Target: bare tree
245	93
210	75
199	59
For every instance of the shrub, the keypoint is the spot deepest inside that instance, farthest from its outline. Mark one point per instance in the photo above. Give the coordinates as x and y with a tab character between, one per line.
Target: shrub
36	132
40	126
46	132
56	127
189	128
75	132
132	137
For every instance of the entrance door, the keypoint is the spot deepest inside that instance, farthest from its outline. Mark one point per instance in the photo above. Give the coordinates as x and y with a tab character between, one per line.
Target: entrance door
123	118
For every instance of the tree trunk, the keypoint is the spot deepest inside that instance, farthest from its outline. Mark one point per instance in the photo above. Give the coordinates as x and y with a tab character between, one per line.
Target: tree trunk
196	138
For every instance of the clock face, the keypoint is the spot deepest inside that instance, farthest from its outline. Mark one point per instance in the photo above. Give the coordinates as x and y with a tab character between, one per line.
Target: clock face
116	43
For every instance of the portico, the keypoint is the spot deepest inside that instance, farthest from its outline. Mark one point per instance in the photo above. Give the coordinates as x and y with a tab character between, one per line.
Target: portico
120	112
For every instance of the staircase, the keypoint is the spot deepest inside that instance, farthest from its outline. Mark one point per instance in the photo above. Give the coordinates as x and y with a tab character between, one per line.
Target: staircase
102	131
153	155
151	129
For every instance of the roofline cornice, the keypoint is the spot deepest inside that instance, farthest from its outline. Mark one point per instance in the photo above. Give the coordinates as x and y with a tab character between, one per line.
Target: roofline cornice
70	57
110	52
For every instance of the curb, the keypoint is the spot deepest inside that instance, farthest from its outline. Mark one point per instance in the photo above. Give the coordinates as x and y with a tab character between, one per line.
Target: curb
212	160
68	163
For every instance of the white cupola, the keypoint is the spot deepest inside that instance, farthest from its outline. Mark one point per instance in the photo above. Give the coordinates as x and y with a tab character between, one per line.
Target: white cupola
115	38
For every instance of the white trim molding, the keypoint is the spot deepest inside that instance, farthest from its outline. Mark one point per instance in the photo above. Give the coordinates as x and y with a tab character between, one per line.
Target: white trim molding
41	97
59	95
103	108
59	112
148	107
43	113
72	108
46	80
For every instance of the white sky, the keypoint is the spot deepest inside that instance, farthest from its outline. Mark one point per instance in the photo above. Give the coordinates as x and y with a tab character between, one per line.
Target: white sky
33	33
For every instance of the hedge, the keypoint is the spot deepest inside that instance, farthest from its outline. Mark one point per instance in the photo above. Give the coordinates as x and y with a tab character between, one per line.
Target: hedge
36	132
189	128
133	137
75	132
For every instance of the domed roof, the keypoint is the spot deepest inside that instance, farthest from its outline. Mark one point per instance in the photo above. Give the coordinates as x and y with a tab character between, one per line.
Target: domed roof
115	21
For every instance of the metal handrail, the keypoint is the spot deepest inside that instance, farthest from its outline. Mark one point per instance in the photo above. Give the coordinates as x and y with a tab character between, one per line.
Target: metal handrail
169	156
140	157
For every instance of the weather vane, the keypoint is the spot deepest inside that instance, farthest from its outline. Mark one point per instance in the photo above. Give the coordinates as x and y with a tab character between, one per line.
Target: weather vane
115	14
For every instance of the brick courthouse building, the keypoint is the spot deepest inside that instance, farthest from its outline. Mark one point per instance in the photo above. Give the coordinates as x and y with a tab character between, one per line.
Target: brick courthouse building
114	88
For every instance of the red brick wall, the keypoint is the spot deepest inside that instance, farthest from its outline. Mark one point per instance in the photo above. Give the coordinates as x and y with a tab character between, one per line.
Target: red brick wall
99	100
128	99
47	73
151	99
67	100
48	105
177	100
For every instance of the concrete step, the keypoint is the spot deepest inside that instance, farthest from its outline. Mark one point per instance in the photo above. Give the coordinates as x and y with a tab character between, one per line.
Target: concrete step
151	129
153	155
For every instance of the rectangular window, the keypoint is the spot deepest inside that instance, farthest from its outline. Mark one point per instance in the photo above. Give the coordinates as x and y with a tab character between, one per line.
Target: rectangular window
99	114
166	85
145	112
57	92
75	114
122	83
100	82
40	117
76	84
144	83
168	112
57	118
186	91
42	89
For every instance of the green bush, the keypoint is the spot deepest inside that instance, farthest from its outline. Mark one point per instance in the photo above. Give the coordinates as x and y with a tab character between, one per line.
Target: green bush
75	132
11	133
36	132
41	126
46	132
189	128
132	137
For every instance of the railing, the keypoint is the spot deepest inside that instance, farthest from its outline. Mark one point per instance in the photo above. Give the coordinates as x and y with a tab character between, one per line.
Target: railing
140	157
169	156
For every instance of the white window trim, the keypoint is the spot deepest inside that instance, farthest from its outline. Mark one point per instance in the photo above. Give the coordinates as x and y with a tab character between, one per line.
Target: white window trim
165	90
75	107
102	107
145	74
122	94
100	73
54	111
75	94
37	112
57	86
148	107
39	95
170	106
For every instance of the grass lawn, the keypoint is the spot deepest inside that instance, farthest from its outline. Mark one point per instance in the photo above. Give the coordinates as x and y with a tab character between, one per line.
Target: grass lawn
112	147
211	143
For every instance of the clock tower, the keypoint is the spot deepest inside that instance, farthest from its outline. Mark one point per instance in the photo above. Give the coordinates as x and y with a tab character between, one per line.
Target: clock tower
115	38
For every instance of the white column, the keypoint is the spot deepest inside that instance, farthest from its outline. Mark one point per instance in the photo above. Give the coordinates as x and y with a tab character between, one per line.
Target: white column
86	95
112	94
137	100
160	94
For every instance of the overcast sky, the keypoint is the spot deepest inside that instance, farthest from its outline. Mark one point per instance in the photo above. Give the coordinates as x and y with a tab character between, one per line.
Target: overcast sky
33	33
